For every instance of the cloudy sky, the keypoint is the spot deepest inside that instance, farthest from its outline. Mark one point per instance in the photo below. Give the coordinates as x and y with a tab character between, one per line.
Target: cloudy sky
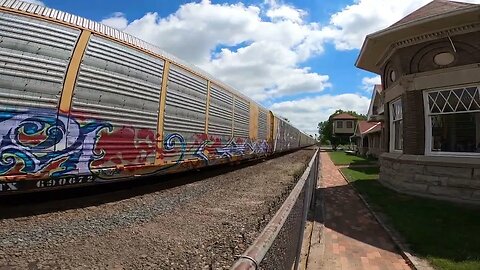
295	57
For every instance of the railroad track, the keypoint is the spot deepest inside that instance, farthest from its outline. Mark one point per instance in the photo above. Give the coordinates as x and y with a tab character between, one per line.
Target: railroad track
34	203
195	225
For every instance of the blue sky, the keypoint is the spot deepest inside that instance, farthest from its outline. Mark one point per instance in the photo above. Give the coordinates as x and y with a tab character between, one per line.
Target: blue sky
294	57
345	78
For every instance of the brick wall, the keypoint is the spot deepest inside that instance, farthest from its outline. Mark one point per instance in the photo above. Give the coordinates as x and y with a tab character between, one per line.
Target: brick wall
413	123
386	130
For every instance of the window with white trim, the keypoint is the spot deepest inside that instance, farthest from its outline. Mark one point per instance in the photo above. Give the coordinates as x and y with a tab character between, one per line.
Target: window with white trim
339	124
396	125
349	124
452	121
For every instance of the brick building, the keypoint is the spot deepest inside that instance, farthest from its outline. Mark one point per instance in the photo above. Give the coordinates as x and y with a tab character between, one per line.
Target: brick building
429	63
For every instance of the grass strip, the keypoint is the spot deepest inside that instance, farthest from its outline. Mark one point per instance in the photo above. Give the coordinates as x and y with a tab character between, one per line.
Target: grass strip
342	158
446	234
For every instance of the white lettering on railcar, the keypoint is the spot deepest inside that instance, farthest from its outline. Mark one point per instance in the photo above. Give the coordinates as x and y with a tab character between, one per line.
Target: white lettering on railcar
65	181
8	187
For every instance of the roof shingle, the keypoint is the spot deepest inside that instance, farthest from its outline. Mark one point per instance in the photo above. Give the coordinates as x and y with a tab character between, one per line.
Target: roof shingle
436	7
365	127
344	116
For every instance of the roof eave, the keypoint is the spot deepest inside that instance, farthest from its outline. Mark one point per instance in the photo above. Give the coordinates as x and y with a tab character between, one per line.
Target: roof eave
369	55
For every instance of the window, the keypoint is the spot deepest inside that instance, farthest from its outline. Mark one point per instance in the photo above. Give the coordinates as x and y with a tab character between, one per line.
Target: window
393	75
339	124
452	121
349	124
396	126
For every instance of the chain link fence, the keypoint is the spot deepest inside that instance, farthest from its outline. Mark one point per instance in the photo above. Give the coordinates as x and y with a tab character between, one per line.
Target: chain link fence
279	245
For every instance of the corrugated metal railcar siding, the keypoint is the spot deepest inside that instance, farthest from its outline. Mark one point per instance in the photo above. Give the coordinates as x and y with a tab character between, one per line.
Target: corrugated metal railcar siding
286	136
34	56
241	118
295	138
120	87
281	136
184	111
220	114
262	125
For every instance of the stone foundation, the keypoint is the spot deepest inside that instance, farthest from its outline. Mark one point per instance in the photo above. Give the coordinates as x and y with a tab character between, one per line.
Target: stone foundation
447	178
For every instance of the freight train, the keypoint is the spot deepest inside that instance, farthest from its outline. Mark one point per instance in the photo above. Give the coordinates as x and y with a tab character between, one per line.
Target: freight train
83	103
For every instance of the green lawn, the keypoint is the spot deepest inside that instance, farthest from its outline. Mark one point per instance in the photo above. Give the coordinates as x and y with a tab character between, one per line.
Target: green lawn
342	158
446	234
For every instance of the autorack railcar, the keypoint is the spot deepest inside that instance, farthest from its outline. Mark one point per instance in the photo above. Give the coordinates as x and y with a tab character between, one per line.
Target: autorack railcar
81	102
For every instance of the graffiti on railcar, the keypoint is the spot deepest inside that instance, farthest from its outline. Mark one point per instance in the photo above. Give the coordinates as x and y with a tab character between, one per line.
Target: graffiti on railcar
208	147
43	144
38	144
174	143
233	148
261	147
243	147
125	145
286	137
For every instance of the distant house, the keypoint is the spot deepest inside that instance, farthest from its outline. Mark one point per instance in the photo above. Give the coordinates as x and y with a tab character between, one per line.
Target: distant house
344	125
429	63
376	108
367	138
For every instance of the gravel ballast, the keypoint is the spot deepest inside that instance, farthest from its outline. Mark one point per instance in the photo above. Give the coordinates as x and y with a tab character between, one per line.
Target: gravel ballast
199	225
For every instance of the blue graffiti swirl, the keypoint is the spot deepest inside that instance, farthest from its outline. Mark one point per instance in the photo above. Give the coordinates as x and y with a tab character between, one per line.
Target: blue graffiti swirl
75	149
171	142
55	131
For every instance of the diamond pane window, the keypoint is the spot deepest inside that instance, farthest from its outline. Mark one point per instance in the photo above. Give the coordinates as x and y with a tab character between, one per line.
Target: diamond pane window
455	100
454	119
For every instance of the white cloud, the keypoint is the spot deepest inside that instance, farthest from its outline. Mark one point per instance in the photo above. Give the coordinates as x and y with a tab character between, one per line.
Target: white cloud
196	29
117	20
37	2
286	13
369	82
306	113
260	56
265	69
348	27
259	49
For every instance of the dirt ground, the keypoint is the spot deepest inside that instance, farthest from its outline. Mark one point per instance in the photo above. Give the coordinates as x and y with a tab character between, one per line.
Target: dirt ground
199	225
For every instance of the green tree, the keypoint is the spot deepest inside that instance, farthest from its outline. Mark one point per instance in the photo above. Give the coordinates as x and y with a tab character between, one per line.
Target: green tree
325	129
322	131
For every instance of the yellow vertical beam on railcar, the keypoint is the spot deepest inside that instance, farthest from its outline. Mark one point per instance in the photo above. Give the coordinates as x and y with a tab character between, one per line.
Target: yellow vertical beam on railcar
253	132
161	112
72	72
233	115
207	111
272	130
271	126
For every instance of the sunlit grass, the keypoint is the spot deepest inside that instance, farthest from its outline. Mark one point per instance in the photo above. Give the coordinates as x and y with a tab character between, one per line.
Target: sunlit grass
444	233
342	158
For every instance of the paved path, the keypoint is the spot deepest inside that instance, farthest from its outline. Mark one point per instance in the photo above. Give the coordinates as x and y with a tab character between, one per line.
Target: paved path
349	237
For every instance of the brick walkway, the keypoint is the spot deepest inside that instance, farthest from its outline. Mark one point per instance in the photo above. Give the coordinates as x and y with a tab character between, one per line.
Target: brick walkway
351	238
